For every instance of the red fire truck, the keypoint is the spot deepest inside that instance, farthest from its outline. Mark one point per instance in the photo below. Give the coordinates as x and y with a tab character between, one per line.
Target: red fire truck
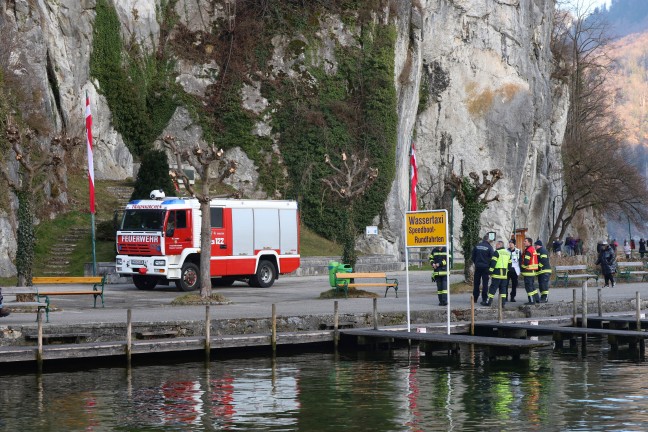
254	241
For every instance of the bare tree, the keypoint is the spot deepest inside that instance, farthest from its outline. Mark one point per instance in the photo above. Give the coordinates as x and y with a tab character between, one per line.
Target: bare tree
473	197
348	182
596	174
35	169
203	160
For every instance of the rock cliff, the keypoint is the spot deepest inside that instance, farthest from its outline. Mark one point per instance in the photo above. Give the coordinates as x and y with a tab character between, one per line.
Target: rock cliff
472	82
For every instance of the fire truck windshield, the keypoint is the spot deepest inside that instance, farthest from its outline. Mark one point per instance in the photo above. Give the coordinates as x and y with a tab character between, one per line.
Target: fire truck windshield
143	220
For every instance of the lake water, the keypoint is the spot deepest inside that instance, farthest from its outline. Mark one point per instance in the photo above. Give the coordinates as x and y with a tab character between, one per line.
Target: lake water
399	390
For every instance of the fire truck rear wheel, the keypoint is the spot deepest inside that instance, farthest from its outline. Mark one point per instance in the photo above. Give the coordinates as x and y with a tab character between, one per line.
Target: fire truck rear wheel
145	283
189	278
265	275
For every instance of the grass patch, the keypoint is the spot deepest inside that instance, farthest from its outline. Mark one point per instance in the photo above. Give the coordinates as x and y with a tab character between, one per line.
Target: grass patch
195	299
353	293
428	267
9	281
312	244
460	288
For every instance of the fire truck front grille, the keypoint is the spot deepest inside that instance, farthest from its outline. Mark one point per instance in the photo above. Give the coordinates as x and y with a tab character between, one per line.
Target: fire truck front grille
137	249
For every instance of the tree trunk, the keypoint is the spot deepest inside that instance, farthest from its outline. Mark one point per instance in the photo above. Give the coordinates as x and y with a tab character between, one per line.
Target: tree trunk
205	238
26	238
349	254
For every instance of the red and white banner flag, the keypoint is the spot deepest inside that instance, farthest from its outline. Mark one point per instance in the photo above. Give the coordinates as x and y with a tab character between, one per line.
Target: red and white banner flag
88	118
413	179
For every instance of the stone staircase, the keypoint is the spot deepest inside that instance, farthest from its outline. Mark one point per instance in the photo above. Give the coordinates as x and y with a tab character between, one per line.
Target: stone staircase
58	261
123	193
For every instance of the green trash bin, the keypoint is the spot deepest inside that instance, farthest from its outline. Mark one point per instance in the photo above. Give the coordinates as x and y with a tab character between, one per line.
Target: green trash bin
332	266
344	268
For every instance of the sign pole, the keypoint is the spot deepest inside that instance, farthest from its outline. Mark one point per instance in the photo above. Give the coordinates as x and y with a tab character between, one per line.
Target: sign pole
448	267
407	288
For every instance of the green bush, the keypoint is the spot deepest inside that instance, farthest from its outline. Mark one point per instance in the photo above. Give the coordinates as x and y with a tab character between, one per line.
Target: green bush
153	174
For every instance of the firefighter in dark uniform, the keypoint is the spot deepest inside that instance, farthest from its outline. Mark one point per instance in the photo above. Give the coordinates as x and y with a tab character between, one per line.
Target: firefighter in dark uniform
481	257
529	268
544	271
500	263
439	263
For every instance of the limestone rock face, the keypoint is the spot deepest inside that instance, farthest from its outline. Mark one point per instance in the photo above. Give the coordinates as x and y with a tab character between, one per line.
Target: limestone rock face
484	68
472	79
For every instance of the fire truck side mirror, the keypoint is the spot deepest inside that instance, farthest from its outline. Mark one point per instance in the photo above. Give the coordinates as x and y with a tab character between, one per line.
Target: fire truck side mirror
169	232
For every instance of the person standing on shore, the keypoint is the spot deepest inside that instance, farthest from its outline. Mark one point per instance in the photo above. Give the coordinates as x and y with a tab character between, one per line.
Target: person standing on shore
500	263
544	271
607	261
3	311
529	267
481	257
642	247
439	262
514	271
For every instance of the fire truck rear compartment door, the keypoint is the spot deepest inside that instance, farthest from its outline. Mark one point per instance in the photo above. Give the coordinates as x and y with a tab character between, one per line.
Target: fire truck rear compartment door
288	231
266	229
242	235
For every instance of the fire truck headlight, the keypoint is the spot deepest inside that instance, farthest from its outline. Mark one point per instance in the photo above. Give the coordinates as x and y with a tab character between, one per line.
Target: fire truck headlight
159	262
119	261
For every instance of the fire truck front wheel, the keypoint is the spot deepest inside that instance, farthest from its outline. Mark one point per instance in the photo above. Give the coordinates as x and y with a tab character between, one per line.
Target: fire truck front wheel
145	283
189	277
265	275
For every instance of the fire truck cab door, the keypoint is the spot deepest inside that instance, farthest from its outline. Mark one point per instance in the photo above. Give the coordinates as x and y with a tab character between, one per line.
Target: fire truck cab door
178	231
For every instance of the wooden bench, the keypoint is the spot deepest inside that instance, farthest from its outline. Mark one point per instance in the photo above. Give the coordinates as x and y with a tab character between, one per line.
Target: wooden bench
96	291
343	282
625	269
566	273
25	291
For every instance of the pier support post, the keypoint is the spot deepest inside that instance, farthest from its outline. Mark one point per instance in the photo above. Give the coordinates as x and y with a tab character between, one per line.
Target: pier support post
574	308
600	306
207	333
638	299
584	319
472	315
500	309
129	336
375	313
274	328
336	324
39	351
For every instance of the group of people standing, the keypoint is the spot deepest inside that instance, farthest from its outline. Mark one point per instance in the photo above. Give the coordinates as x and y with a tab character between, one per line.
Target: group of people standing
508	264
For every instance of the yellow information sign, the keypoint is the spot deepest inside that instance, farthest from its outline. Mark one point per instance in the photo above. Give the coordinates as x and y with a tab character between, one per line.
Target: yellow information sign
426	228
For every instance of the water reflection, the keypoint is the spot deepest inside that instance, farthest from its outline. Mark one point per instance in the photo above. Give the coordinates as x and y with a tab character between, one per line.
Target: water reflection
390	391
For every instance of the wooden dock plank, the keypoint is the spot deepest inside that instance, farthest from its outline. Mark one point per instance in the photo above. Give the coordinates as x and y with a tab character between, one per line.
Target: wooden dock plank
548	330
12	354
630	320
451	338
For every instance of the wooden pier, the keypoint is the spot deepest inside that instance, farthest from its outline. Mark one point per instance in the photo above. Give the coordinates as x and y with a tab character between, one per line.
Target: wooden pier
634	339
76	351
614	322
430	342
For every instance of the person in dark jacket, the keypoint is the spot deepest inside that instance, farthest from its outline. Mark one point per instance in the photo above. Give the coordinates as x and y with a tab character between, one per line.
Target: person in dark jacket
481	257
544	271
557	247
642	247
607	261
3	312
439	262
